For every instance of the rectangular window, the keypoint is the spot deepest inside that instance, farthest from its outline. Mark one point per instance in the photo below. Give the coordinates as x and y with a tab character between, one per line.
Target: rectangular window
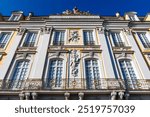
92	74
118	42
19	74
59	38
30	39
4	37
128	73
55	74
14	17
144	39
88	37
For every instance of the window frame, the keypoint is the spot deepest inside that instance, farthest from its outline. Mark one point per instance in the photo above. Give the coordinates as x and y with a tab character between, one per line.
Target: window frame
10	37
18	18
25	36
89	41
54	35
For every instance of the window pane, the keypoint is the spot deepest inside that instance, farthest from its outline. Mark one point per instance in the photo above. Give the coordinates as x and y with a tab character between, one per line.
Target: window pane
30	39
4	37
55	73
59	38
92	72
88	37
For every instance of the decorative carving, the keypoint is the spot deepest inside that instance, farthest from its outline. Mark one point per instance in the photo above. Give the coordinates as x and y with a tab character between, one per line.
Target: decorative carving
128	31
21	31
74	62
74	34
29	16
75	11
127	95
27	95
81	95
34	95
121	94
46	30
21	96
67	95
113	95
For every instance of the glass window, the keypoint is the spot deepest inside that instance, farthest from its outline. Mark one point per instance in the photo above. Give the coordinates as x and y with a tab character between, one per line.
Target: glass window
92	72
4	37
128	72
55	74
118	42
14	17
30	39
59	38
144	39
19	74
88	37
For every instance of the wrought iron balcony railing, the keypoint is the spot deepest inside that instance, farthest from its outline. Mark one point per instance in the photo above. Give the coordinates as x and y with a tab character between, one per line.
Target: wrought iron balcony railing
76	84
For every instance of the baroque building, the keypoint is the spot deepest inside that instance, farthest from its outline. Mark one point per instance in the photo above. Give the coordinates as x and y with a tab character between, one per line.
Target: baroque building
74	55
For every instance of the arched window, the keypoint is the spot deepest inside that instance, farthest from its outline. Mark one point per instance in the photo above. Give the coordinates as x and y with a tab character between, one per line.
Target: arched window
19	73
92	72
55	73
128	72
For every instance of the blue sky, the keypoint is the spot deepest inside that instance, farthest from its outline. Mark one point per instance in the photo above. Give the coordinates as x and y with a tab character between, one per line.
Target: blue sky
101	7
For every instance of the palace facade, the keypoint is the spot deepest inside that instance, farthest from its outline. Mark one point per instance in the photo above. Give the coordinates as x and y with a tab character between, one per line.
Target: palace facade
74	55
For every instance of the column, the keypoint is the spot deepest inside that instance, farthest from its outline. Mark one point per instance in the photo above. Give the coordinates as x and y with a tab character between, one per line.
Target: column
10	55
107	55
40	57
34	95
27	96
21	96
121	95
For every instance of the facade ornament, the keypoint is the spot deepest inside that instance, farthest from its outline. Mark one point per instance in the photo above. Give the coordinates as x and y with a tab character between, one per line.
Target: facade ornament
91	54
100	30
21	96
128	31
27	95
21	31
81	95
113	95
75	11
29	16
121	95
74	62
74	36
34	95
67	95
46	30
127	95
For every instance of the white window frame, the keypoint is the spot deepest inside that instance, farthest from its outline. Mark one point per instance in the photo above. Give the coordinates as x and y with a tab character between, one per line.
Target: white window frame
132	84
147	34
11	34
64	70
54	33
93	34
25	36
13	16
122	38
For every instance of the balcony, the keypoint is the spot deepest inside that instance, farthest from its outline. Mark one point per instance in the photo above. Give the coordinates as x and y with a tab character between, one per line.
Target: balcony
76	84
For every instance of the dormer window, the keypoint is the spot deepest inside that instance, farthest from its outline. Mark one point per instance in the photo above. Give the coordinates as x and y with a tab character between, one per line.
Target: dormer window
132	16
16	16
